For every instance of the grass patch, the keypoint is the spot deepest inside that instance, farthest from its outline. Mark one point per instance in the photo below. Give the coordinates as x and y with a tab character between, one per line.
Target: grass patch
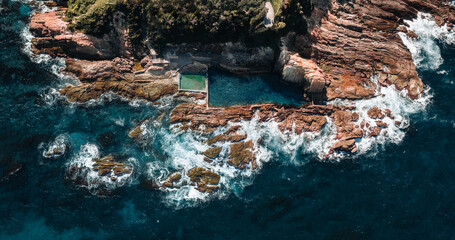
276	5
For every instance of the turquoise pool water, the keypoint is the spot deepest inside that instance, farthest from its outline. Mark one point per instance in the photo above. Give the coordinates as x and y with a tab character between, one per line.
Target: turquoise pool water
192	82
227	89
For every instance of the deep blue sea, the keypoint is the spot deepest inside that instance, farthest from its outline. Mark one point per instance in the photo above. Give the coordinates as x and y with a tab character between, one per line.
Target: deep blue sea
397	188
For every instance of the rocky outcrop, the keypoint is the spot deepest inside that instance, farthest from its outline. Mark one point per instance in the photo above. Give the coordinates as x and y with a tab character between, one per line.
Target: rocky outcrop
194	68
354	40
212	152
300	119
204	179
89	71
171	180
106	166
301	71
347	131
151	91
241	154
53	37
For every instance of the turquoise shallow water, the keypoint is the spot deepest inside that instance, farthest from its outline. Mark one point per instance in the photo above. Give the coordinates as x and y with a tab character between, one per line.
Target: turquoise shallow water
227	89
398	191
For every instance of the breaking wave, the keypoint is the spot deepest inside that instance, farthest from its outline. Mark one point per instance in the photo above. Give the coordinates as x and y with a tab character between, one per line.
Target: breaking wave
425	50
81	171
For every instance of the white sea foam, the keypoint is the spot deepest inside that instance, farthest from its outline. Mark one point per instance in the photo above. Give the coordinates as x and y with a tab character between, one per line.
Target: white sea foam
56	148
84	164
184	153
401	108
425	50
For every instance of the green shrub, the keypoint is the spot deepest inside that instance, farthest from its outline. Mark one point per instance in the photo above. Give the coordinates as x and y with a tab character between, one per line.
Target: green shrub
177	21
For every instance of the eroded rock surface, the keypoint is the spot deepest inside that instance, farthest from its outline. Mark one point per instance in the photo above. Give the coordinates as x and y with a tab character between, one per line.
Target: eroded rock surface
204	179
53	37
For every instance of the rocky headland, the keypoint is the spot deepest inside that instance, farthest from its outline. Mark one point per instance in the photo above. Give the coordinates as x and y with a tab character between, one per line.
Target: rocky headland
346	44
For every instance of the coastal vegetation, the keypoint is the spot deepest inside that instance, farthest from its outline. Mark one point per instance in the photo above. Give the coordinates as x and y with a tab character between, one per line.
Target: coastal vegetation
177	21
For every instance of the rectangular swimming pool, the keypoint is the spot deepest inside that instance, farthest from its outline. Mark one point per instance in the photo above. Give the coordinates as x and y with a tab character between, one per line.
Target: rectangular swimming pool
192	82
227	89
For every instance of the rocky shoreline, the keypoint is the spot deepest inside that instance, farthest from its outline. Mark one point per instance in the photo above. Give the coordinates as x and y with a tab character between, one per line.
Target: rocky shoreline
349	42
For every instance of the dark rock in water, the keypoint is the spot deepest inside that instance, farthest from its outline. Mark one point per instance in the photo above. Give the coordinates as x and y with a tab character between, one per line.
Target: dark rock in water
35	139
194	68
106	139
10	168
149	184
272	210
27	96
174	178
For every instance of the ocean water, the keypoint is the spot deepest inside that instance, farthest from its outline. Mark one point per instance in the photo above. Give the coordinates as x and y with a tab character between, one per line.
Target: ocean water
399	186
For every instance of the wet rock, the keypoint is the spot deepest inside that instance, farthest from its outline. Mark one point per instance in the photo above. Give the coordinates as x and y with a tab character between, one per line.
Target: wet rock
136	133
204	179
301	122
206	159
306	117
241	154
375	113
412	35
174	178
374	131
353	41
233	129
388	113
194	95
348	146
346	129
381	124
226	138
212	152
107	166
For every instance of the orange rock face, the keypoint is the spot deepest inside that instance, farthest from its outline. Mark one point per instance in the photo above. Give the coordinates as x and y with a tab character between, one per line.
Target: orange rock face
307	118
